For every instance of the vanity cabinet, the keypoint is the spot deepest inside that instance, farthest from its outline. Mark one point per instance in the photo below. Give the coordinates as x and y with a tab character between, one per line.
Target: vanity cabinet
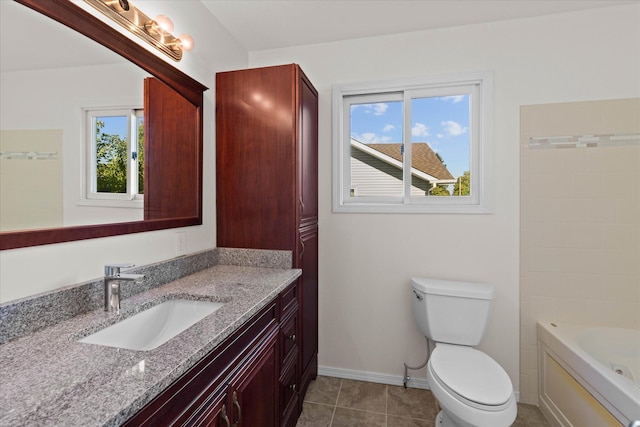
267	195
234	385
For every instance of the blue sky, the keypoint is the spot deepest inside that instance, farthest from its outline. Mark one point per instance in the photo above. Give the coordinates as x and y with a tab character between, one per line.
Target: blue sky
115	125
442	122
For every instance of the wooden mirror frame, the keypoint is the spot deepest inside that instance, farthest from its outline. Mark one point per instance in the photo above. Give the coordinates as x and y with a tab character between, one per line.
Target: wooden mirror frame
86	24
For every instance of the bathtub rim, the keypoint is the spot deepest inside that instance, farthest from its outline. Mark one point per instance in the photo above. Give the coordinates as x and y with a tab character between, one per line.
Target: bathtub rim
619	397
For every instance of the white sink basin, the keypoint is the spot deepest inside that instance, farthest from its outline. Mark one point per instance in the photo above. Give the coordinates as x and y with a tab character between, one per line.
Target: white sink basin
155	326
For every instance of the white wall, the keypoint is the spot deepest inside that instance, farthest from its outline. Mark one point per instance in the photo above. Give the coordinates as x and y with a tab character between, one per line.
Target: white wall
366	261
28	271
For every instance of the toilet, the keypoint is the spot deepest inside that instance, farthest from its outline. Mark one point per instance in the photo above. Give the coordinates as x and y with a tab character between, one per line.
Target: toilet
473	390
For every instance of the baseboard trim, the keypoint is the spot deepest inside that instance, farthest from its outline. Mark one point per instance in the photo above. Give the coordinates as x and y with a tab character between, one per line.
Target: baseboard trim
372	377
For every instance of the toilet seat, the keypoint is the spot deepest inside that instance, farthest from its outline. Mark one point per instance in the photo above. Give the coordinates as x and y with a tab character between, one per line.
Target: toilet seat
472	376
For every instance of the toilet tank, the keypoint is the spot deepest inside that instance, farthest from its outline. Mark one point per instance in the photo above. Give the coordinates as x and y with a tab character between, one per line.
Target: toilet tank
451	312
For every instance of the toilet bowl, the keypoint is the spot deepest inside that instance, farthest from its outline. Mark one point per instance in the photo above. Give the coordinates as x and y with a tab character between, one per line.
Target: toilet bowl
473	389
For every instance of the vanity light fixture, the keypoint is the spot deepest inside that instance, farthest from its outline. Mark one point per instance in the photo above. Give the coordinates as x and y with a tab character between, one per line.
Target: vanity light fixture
157	32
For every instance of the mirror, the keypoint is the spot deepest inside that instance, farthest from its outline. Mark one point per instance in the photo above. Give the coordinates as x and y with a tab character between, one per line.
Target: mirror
172	132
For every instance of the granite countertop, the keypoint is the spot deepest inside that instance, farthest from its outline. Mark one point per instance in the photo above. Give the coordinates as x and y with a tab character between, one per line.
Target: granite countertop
48	378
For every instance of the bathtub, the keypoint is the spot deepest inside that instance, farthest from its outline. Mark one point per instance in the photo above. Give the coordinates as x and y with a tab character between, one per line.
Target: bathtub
588	376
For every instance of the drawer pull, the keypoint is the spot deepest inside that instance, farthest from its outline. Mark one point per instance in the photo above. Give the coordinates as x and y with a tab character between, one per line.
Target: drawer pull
292	337
292	387
223	415
237	405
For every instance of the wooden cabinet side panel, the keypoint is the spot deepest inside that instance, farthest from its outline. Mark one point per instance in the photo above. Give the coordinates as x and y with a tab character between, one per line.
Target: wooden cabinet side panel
171	149
255	158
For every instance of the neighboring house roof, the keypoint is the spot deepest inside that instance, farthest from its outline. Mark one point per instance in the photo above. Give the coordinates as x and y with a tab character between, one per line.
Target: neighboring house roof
423	159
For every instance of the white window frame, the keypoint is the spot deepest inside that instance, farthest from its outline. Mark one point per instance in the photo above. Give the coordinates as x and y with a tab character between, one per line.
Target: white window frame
478	84
88	194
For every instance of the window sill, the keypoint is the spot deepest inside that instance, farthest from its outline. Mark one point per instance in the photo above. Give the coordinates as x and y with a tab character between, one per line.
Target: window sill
129	204
366	208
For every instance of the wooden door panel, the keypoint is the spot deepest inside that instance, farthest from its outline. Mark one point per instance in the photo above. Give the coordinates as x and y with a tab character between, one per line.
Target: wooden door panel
308	156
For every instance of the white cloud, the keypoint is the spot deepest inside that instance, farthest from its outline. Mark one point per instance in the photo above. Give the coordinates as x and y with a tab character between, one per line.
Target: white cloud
379	109
454	99
388	128
370	138
453	128
420	129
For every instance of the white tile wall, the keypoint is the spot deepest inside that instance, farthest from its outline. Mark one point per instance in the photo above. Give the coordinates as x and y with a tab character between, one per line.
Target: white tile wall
579	224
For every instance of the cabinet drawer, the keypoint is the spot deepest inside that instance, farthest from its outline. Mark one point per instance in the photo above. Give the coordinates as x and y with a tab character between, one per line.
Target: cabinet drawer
289	298
288	336
289	393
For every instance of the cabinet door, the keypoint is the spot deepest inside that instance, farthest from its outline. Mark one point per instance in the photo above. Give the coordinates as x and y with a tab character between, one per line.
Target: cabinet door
308	306
253	394
308	151
216	415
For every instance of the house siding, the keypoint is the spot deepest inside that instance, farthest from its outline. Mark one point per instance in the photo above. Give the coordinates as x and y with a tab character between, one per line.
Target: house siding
374	178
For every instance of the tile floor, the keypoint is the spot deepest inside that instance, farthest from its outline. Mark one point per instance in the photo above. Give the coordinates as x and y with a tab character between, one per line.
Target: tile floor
336	402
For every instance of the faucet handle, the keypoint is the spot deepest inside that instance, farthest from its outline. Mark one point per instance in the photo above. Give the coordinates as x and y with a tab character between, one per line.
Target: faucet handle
114	269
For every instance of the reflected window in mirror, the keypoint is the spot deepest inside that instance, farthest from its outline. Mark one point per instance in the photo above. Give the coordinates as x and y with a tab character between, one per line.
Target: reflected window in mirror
114	160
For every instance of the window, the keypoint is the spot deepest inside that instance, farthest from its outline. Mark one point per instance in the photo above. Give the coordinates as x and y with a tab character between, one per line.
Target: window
419	145
114	165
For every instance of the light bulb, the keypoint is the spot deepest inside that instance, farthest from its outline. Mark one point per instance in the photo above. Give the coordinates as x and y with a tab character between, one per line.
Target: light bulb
164	23
187	42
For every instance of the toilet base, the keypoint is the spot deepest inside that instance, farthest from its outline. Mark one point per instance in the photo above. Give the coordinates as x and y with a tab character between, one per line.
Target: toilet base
443	420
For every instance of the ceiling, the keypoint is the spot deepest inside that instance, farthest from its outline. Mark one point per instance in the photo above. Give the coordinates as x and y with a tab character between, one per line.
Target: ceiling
268	24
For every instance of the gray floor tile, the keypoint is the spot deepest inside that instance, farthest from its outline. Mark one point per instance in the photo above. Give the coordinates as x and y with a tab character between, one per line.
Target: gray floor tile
315	415
345	417
335	402
411	403
323	390
362	395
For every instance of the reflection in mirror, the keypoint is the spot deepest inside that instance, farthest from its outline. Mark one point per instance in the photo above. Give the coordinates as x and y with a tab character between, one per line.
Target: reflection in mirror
52	89
61	89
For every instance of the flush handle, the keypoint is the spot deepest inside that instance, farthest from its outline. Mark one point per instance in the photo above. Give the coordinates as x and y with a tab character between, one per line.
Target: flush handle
419	296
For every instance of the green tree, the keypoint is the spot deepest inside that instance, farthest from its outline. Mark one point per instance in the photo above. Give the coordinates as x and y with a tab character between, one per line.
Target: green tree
111	161
439	190
462	186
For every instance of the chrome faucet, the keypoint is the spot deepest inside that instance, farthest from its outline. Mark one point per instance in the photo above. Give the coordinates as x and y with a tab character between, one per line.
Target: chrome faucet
112	279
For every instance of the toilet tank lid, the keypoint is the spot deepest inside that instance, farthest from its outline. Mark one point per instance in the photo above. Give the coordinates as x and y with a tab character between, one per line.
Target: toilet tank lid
453	288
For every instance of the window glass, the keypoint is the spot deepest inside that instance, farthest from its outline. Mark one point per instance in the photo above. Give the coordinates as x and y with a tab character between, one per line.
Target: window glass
115	154
440	142
413	146
376	149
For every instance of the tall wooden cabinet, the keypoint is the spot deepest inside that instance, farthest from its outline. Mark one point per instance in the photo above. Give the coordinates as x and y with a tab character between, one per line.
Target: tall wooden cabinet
267	189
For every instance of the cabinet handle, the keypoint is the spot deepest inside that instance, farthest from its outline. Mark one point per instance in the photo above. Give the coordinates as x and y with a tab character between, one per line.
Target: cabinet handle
302	246
301	205
237	405
223	415
292	337
292	387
